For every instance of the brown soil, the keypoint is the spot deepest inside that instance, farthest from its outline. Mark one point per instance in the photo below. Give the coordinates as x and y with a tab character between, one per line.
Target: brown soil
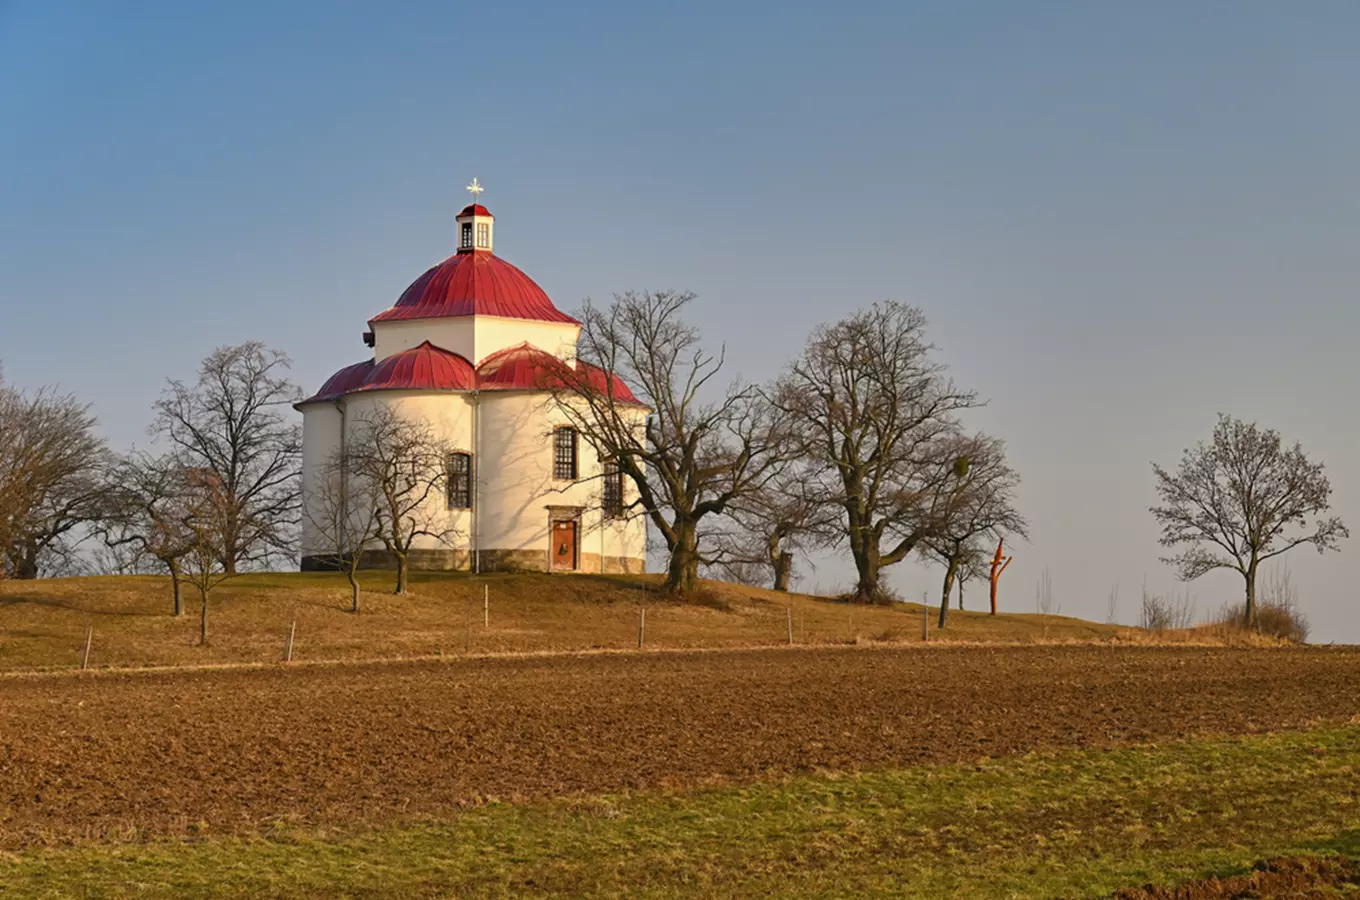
1290	878
167	752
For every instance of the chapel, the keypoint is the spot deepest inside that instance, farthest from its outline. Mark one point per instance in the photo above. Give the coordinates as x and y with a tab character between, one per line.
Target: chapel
469	348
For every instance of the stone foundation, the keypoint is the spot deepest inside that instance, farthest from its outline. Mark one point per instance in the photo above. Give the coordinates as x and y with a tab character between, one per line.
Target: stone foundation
613	565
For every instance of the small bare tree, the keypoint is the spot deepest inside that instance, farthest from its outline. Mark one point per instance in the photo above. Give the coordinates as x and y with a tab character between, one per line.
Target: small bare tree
147	509
236	420
347	525
207	520
398	467
1043	595
973	565
1112	606
701	448
1240	500
982	506
875	414
770	525
51	477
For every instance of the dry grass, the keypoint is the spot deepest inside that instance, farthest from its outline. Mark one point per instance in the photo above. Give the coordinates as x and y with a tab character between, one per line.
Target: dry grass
43	623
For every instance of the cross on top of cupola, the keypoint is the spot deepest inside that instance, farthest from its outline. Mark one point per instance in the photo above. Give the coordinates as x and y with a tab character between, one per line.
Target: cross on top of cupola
476	225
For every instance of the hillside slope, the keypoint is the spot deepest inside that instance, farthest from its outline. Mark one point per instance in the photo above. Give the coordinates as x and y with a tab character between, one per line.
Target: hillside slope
44	623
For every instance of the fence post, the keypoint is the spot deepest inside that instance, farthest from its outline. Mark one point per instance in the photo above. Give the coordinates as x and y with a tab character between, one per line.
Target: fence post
925	617
486	606
288	650
85	655
467	643
642	626
788	617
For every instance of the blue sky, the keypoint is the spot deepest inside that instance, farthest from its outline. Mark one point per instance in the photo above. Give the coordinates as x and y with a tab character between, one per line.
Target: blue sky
1120	218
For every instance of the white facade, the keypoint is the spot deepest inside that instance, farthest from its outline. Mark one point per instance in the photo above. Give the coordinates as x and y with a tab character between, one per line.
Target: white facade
475	337
521	516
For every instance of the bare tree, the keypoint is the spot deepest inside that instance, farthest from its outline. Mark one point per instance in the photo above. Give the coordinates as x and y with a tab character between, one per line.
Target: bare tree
874	412
147	510
207	519
346	525
982	506
51	467
973	565
771	524
398	467
1240	500
236	421
702	447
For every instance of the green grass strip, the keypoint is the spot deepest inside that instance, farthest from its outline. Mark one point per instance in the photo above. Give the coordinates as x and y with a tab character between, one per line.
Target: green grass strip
1076	824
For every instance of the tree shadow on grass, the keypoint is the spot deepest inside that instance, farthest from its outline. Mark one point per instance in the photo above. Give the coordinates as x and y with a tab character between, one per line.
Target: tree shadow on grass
16	600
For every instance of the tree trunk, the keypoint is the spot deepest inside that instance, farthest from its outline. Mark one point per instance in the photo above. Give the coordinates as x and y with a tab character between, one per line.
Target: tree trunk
1250	609
177	586
354	592
27	569
203	618
867	566
950	571
961	581
782	570
402	573
682	574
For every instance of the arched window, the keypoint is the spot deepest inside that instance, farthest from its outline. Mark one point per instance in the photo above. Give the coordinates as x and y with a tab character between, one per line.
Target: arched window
460	480
564	454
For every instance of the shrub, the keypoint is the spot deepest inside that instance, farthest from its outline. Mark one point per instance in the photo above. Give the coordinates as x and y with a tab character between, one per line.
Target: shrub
1277	610
1276	620
1161	613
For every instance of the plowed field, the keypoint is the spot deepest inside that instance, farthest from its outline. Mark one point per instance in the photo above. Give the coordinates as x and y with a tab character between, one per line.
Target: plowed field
229	750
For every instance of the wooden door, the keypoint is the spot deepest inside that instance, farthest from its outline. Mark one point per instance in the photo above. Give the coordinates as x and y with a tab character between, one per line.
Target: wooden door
564	545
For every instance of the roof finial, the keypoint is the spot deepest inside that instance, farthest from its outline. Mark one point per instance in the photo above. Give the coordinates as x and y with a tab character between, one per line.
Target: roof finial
475	188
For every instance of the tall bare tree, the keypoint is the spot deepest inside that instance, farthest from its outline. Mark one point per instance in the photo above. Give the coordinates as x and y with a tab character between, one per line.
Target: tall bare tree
345	520
236	420
982	506
147	509
51	484
704	444
1240	500
877	416
398	469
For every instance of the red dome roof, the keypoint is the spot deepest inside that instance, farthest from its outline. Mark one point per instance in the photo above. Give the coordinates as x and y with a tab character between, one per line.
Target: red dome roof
474	284
475	209
527	368
427	368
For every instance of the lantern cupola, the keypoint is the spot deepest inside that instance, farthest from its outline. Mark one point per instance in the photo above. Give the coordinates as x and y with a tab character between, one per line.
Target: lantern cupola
476	225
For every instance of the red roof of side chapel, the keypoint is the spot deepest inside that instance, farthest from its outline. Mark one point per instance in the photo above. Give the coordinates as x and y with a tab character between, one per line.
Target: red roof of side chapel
430	368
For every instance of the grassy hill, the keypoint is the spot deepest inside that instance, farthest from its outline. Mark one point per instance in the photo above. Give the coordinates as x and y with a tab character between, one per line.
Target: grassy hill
43	623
